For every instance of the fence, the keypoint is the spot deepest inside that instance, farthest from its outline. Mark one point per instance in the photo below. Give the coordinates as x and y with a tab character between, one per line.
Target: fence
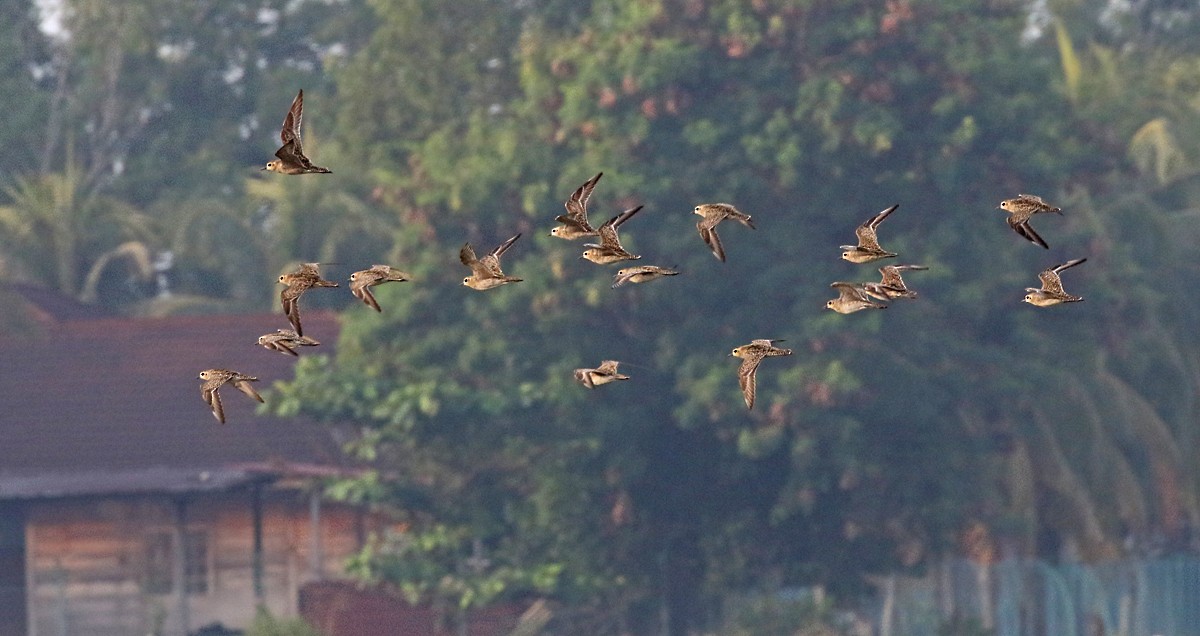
1033	598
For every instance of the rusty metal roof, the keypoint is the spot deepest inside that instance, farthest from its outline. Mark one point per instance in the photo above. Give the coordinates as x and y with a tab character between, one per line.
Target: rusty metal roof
112	405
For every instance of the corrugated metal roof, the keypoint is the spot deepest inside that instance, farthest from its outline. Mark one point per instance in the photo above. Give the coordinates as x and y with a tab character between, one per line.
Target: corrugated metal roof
113	405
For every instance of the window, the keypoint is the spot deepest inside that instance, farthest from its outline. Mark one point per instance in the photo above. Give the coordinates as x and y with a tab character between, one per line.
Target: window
160	559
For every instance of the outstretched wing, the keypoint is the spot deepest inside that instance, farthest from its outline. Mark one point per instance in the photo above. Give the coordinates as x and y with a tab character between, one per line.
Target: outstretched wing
713	241
466	254
1024	229
867	240
850	291
577	204
290	299
747	377
212	397
364	294
243	385
608	367
623	277
1051	282
503	247
290	132
584	377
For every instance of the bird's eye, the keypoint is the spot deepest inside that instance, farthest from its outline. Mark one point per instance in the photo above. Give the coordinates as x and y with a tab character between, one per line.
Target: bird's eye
733	353
829	303
697	208
466	279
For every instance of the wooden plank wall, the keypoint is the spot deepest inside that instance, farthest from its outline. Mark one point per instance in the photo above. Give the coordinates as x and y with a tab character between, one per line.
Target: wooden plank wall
87	561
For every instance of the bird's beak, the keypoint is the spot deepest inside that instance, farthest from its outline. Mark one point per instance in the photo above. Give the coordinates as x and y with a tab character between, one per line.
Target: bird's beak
262	168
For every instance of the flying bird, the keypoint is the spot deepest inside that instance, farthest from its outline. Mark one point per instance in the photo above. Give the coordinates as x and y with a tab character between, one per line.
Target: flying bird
1021	209
286	341
641	274
713	214
752	354
609	249
215	378
868	248
362	281
290	157
851	298
574	224
1052	292
892	285
603	374
486	272
296	283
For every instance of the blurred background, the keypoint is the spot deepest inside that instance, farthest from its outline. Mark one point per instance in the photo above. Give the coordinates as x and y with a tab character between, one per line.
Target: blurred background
962	463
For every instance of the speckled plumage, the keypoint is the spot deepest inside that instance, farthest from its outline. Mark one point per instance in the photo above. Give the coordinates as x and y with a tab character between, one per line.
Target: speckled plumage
290	157
307	276
574	224
609	249
1020	209
486	272
1052	292
752	355
851	298
214	379
713	214
362	281
641	274
603	374
868	249
286	341
892	286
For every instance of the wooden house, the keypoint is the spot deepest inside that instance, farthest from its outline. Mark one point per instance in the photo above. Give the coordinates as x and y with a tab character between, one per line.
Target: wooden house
126	509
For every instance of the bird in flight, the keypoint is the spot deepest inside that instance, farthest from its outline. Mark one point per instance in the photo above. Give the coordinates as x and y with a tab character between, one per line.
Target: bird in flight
609	249
892	285
290	157
603	374
868	248
713	214
486	272
641	274
1052	292
851	298
362	281
1021	209
752	354
296	283
215	378
574	224
285	341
